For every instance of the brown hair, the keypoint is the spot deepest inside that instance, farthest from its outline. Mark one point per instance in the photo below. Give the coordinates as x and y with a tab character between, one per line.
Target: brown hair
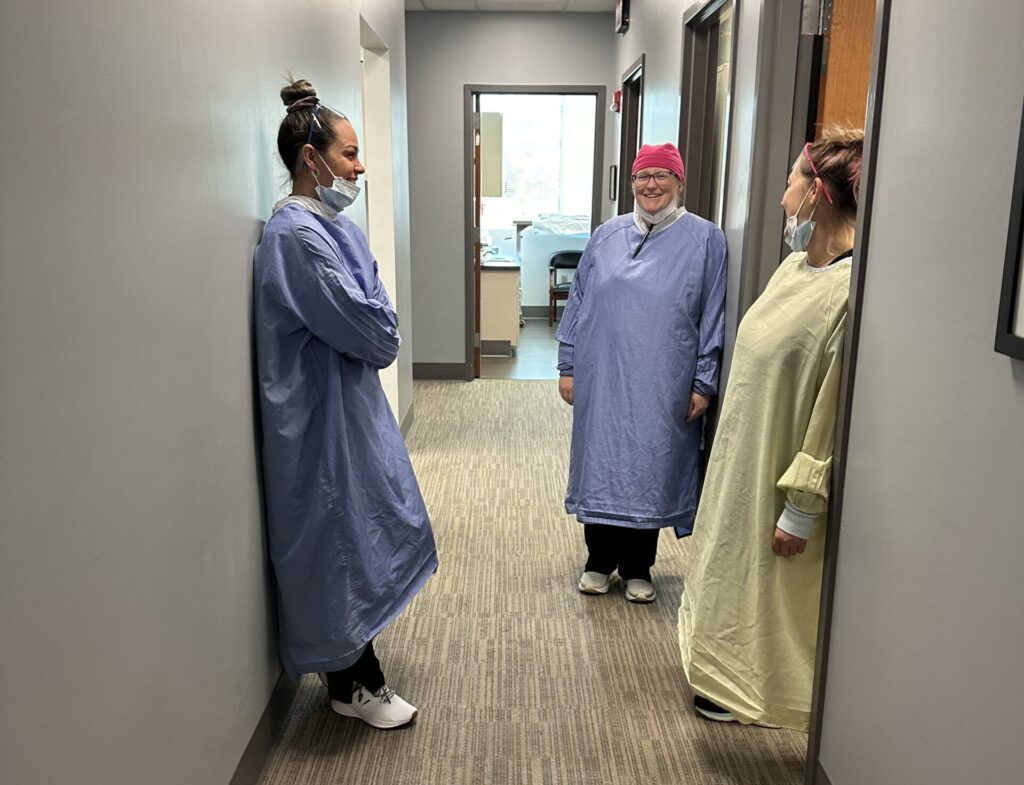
300	98
837	156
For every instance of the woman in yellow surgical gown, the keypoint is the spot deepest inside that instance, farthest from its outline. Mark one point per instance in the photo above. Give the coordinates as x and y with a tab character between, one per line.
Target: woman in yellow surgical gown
749	614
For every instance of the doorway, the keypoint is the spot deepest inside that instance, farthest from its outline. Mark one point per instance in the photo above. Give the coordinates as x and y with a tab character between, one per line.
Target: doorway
533	188
846	80
631	131
707	85
378	181
802	66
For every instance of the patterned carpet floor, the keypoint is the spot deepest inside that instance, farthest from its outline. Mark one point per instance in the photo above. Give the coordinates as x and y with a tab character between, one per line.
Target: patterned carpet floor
519	678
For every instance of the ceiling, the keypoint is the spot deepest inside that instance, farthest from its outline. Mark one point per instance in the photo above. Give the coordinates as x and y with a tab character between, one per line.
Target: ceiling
580	6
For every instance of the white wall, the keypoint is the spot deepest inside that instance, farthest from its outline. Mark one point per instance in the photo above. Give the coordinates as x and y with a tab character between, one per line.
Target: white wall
445	52
924	679
138	163
386	18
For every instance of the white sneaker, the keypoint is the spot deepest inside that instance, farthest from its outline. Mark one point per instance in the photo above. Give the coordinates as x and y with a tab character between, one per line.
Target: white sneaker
595	583
381	709
638	590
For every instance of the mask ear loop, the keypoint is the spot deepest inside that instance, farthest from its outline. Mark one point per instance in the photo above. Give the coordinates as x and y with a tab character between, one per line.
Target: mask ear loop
800	207
324	162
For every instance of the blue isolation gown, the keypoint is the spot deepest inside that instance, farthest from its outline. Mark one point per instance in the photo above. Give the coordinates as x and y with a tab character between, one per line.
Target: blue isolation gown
639	335
348	532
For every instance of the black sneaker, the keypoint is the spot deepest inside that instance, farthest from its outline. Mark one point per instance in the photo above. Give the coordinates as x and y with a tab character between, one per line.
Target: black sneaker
711	711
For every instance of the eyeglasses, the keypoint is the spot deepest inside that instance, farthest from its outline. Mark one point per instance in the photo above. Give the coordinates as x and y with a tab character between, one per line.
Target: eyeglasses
660	178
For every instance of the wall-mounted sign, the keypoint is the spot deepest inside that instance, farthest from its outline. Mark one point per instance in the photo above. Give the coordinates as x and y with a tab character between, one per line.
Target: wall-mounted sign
621	16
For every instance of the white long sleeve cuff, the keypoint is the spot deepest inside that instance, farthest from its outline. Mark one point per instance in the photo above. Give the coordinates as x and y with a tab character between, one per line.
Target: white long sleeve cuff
797	522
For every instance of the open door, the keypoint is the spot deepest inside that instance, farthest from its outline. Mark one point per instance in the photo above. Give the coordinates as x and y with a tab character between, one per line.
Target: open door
532	154
844	73
477	245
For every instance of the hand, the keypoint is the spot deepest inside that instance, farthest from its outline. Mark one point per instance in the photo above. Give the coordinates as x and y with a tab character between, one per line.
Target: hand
786	545
698	405
565	389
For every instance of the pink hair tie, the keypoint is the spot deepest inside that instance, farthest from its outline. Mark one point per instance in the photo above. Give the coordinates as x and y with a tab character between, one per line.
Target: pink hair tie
814	169
302	103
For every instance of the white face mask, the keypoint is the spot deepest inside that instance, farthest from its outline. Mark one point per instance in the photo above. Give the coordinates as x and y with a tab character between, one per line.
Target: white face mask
798	234
340	194
655	218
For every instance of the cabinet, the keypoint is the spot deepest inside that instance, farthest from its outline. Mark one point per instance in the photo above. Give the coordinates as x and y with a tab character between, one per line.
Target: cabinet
499	306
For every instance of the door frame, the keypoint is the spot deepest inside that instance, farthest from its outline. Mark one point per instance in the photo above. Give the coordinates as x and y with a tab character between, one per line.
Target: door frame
699	57
378	188
815	773
632	88
470	93
783	66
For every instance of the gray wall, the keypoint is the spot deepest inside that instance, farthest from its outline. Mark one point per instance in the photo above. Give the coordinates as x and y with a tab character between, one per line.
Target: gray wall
656	31
138	164
446	51
924	681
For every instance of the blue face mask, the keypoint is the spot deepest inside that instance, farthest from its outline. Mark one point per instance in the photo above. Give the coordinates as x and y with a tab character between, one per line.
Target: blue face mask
340	194
798	235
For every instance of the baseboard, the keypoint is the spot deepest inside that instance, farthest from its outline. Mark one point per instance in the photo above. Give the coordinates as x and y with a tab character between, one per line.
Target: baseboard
267	732
439	371
496	348
820	777
539	311
407	422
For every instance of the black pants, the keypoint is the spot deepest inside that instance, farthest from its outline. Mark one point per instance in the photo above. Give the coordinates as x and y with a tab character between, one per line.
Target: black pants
366	670
632	551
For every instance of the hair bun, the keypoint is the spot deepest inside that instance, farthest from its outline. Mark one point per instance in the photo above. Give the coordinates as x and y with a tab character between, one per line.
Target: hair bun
296	91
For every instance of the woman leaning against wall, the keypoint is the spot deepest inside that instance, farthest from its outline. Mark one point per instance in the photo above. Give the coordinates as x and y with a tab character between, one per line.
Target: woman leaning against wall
749	615
349	535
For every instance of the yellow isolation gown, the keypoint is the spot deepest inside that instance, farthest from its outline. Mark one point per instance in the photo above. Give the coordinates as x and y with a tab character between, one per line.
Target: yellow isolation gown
748	620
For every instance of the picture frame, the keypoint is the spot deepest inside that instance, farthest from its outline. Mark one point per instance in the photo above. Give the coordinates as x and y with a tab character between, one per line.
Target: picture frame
1010	327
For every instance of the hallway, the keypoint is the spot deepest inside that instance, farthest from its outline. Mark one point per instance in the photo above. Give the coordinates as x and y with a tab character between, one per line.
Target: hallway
521	680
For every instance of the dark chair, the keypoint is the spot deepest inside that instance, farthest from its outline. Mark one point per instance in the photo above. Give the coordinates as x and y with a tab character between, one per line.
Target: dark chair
558	289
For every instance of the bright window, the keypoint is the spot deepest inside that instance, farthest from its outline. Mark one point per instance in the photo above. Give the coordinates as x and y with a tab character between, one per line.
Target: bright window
547	157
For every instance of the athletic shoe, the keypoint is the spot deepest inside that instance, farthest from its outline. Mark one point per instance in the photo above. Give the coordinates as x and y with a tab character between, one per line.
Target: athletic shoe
381	709
595	583
639	590
711	711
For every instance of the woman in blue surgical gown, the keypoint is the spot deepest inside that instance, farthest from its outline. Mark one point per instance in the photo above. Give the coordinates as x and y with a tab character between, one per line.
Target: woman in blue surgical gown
749	616
639	348
348	532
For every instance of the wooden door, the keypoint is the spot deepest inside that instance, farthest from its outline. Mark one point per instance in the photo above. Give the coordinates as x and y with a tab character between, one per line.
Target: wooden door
846	65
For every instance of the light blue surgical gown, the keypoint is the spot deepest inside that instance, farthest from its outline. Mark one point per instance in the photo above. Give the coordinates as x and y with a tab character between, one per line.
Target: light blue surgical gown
639	335
349	536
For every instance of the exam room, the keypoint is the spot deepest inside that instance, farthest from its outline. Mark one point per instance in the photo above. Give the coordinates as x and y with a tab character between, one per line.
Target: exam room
534	201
